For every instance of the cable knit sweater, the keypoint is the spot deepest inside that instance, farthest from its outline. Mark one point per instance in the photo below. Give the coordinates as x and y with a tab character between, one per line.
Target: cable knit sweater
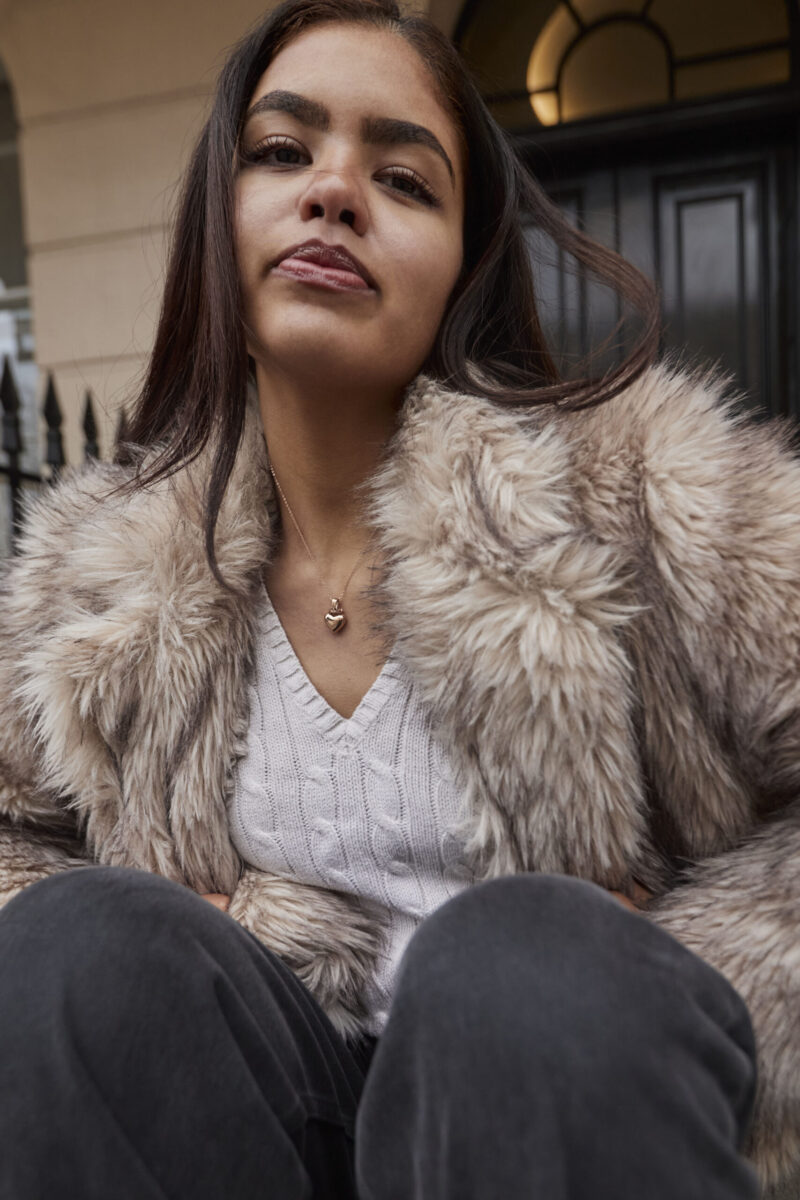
359	804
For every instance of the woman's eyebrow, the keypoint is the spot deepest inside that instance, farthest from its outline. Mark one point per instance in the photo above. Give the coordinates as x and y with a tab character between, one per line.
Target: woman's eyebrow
375	131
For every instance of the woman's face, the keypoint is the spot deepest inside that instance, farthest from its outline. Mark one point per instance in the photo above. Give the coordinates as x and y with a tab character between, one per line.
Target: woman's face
343	169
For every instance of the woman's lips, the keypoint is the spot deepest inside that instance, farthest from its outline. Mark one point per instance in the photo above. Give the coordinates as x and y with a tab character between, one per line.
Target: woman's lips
330	277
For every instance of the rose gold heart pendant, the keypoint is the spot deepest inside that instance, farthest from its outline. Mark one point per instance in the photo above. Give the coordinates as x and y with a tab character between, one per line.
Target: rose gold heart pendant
335	618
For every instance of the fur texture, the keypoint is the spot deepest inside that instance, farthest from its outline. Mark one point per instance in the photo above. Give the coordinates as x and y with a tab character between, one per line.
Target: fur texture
600	608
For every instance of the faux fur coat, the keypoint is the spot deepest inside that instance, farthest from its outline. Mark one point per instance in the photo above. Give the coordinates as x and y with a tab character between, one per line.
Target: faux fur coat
601	609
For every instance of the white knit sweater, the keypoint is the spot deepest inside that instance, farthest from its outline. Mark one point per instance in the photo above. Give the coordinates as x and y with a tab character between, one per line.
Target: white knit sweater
359	804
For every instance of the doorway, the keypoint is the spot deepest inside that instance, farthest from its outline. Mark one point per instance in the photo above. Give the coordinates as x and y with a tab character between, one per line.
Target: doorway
710	214
668	130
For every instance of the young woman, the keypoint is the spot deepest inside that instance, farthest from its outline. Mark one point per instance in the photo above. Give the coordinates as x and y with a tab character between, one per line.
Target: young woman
467	693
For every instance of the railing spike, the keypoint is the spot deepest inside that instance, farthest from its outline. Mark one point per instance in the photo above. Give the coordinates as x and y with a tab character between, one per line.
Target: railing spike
90	446
121	452
11	442
54	454
9	398
122	426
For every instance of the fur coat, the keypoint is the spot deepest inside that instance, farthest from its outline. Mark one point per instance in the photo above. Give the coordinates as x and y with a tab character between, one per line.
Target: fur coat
601	609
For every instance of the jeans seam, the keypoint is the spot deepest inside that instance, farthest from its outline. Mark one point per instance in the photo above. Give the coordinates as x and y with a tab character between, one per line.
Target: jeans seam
322	1108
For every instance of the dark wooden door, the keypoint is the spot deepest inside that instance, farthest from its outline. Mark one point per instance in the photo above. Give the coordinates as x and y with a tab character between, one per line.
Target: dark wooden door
712	217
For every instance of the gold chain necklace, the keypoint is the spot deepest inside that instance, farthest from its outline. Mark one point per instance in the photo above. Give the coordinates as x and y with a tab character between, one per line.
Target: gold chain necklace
334	618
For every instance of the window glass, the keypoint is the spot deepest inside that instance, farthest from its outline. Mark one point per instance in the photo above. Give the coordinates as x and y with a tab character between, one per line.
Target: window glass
548	61
594	10
615	67
715	26
550	48
732	74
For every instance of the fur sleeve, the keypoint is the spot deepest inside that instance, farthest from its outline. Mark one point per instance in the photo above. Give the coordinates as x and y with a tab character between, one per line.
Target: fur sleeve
329	940
39	835
36	837
28	854
721	499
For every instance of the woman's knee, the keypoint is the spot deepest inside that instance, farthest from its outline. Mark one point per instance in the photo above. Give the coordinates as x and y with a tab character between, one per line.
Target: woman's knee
97	898
540	956
523	918
533	921
91	928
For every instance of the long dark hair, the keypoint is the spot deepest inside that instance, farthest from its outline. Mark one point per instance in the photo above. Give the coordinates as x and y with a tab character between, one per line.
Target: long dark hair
196	383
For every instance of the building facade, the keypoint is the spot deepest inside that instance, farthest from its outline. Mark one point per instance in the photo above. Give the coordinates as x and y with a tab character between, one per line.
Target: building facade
666	128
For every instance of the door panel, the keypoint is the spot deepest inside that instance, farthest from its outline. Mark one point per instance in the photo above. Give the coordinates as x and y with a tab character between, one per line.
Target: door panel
713	275
716	230
557	278
579	315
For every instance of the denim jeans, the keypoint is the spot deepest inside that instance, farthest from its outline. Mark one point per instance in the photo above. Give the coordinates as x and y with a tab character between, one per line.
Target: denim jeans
543	1041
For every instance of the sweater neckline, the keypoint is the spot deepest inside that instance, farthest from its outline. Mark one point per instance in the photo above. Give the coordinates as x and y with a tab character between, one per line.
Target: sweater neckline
330	723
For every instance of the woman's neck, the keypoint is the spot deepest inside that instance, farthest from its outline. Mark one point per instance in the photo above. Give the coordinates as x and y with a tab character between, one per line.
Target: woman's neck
323	445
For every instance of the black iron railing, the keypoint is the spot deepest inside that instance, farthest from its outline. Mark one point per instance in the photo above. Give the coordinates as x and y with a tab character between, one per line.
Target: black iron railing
14	477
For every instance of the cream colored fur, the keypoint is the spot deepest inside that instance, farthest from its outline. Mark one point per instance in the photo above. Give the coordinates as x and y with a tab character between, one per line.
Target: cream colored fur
602	610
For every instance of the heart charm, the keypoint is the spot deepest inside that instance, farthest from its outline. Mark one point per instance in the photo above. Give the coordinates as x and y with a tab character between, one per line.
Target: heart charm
335	621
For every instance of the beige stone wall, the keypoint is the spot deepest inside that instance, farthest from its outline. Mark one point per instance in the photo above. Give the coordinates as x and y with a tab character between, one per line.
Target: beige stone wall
110	96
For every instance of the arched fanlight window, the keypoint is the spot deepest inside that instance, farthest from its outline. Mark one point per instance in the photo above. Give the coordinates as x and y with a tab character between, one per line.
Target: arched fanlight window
556	61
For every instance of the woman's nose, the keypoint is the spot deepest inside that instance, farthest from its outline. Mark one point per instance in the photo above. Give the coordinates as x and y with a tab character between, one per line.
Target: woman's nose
337	194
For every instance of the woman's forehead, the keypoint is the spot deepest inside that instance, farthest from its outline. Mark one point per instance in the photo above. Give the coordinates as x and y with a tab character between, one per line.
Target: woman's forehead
353	71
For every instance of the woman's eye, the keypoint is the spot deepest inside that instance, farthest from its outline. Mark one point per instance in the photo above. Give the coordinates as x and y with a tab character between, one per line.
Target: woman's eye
272	148
269	147
415	184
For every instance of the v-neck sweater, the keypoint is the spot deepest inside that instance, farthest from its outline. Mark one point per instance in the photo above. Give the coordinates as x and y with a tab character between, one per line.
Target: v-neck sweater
362	804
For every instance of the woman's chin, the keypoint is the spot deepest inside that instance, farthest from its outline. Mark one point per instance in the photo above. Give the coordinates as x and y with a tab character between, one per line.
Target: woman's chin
335	366
323	344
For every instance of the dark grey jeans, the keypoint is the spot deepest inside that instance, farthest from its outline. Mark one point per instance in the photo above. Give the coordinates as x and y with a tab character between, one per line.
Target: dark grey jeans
543	1042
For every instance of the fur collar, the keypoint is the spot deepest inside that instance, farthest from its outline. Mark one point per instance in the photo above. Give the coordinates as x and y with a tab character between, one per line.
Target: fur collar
507	604
507	610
